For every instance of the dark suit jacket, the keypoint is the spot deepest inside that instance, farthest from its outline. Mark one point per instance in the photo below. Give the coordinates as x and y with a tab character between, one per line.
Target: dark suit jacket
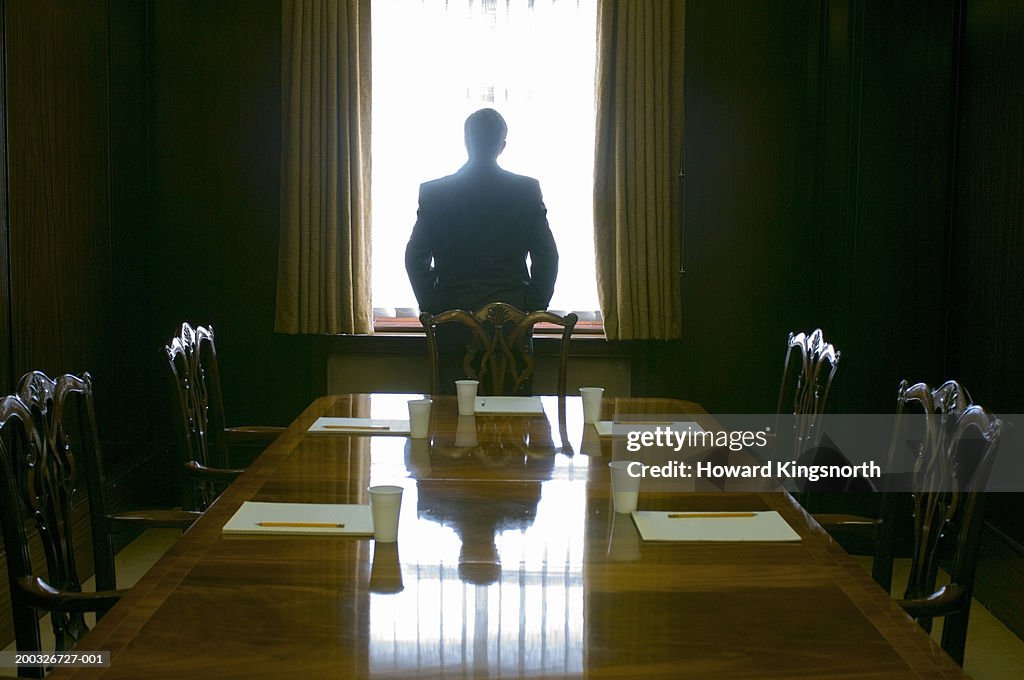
478	226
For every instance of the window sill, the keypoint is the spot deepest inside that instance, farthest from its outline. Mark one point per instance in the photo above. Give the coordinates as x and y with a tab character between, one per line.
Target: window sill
412	325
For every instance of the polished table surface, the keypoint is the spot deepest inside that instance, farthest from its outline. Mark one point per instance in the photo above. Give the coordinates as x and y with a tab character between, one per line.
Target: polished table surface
510	562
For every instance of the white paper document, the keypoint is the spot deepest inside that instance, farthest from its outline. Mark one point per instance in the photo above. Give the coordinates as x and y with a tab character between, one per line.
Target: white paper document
300	519
510	405
359	426
713	526
609	428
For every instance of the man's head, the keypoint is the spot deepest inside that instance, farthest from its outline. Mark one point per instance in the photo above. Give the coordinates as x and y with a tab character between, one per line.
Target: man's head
485	134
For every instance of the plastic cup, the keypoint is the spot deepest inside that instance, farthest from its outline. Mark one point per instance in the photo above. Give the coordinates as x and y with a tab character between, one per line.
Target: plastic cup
625	487
591	403
419	418
466	389
385	504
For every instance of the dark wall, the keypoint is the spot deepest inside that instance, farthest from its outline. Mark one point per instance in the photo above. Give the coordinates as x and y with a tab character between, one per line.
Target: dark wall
216	170
986	329
749	133
75	200
884	202
61	277
75	197
818	166
986	338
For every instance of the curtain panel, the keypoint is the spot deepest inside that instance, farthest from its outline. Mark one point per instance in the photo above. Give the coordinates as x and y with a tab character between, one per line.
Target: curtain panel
323	274
638	152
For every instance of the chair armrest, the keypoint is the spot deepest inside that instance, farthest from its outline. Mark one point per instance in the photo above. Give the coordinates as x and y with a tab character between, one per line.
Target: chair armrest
41	595
197	471
152	519
846	521
252	433
946	600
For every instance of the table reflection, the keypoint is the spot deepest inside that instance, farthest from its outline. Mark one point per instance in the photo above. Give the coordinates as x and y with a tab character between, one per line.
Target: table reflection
492	574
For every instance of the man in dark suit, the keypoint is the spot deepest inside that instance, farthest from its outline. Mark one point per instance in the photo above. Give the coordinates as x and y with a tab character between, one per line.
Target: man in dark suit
474	230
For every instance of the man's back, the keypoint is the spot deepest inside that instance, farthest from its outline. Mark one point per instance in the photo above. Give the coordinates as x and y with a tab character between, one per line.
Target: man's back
478	226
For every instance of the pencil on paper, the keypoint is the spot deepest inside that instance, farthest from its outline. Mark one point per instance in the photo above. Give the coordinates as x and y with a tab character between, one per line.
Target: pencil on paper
708	515
302	525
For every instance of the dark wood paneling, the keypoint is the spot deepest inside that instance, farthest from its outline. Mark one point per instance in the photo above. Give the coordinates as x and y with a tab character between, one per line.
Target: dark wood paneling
76	91
6	368
884	202
216	172
818	160
58	192
986	343
748	127
986	329
136	362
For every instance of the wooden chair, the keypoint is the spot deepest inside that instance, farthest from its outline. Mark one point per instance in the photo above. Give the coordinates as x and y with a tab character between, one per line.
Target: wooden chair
949	477
65	402
958	442
804	388
203	438
496	347
48	448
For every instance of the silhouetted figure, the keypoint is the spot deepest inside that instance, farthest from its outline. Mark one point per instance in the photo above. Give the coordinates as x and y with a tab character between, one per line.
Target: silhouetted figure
475	229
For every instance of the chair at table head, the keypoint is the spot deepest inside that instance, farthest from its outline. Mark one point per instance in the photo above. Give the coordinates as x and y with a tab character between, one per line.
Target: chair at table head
494	345
958	443
48	447
199	412
807	375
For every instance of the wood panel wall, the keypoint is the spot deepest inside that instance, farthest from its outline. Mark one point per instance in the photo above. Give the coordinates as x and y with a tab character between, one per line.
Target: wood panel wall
75	199
749	264
985	344
818	166
216	198
58	192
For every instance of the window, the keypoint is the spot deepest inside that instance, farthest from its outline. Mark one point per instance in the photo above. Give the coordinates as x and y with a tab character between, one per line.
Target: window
437	61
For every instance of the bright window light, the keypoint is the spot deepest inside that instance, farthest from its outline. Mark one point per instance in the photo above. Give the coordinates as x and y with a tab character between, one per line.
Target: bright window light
437	61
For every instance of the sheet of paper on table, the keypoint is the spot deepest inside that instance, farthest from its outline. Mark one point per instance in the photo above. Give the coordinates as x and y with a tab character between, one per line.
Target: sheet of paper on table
305	519
526	406
609	428
685	525
324	425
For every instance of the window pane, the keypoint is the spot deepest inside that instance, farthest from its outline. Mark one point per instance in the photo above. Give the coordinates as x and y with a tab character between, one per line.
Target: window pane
434	63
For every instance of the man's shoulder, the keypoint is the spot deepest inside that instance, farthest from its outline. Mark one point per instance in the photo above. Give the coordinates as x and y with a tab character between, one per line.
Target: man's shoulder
438	184
469	179
520	182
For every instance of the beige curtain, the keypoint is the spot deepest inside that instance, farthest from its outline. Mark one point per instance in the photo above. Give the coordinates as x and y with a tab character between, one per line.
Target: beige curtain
636	167
323	272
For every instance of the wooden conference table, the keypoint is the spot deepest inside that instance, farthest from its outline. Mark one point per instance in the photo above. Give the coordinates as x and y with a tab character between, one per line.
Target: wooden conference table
510	562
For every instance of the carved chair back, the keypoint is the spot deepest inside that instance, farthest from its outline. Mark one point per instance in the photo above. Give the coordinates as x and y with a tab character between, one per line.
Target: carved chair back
807	374
198	404
953	461
51	448
496	347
